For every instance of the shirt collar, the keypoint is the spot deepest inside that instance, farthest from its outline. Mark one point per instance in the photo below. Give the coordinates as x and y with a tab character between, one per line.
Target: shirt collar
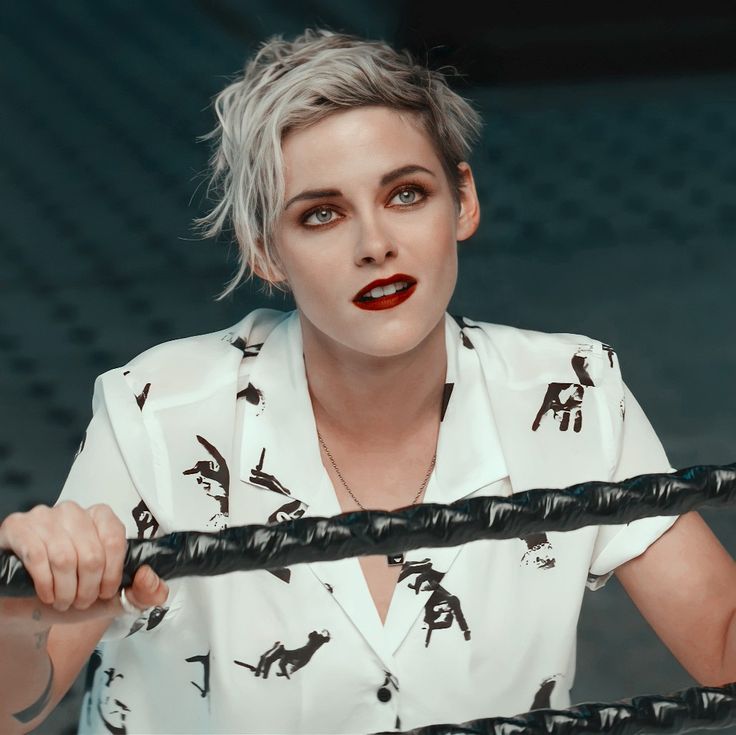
280	449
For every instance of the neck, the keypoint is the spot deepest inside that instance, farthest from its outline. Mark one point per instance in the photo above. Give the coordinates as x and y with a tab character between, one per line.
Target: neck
374	402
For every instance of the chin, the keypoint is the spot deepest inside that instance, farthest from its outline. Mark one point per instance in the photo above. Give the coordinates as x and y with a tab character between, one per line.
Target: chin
380	337
390	340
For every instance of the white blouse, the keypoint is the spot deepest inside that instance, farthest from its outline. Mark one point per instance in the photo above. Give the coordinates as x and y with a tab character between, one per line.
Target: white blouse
217	430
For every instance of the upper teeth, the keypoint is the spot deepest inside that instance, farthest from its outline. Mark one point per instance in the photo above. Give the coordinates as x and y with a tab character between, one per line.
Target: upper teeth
379	291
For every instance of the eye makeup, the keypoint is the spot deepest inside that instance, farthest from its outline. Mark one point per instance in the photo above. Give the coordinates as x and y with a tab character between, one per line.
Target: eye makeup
413	186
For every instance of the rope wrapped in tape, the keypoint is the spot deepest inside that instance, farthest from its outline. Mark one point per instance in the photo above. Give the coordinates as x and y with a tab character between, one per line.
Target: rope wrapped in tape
687	710
245	548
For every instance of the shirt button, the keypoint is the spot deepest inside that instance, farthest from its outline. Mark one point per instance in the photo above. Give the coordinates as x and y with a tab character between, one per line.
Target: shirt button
383	694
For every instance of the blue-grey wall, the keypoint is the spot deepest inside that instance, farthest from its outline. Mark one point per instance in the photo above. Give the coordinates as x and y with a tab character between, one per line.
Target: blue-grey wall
608	209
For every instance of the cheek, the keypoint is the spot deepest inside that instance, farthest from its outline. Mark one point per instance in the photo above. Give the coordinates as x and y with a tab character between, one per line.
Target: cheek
311	275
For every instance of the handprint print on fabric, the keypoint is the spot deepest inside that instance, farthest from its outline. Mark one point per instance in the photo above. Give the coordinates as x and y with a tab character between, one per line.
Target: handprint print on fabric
564	401
214	476
539	552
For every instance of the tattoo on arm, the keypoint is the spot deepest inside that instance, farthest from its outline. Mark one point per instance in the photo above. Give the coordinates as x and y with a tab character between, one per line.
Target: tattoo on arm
34	710
41	638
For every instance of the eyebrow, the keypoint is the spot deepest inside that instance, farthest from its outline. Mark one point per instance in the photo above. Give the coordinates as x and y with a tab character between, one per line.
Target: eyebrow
387	178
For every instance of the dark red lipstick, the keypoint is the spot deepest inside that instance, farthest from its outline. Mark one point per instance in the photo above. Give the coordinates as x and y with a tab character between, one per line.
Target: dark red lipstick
363	300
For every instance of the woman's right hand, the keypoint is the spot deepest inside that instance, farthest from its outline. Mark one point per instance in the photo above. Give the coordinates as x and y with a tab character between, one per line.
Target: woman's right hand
75	556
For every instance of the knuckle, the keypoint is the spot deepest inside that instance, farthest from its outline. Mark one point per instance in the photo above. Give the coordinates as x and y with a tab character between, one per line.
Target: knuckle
101	512
116	544
32	553
91	560
12	522
68	506
39	511
63	559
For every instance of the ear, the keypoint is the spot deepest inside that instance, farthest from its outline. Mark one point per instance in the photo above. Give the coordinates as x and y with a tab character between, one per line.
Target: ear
468	217
274	275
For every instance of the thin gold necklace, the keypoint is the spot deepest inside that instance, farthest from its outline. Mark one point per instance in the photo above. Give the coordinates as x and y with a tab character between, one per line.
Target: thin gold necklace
392	559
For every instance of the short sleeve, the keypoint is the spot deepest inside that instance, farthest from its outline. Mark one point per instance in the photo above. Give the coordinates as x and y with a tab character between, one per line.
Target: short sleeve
641	453
99	475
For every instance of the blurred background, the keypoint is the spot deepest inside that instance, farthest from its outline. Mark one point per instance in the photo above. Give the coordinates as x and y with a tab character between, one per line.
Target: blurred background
607	176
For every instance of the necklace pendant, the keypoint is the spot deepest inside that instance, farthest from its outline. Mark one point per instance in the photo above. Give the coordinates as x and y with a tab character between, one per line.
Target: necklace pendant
395	560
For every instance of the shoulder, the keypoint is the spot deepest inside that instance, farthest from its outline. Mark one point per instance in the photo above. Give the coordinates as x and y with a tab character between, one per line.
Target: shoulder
194	362
526	355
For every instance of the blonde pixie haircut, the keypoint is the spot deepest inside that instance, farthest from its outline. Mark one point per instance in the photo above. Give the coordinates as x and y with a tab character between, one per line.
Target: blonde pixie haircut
288	85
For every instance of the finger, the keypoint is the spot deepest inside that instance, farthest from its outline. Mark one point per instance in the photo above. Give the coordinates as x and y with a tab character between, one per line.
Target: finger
148	589
90	555
90	565
17	536
111	533
63	562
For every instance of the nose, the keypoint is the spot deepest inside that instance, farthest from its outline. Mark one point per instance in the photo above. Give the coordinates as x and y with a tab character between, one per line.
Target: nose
374	243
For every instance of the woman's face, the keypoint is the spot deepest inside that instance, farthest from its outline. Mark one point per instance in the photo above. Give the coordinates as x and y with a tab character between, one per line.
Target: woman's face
367	199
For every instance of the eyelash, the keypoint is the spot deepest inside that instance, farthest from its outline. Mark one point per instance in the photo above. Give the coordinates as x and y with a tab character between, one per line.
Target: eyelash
418	188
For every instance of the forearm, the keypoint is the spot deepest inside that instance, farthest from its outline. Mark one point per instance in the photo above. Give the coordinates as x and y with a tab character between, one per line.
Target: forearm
32	637
26	670
728	662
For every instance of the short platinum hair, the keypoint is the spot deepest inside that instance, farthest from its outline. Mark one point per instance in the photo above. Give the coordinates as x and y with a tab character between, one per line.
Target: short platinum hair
287	85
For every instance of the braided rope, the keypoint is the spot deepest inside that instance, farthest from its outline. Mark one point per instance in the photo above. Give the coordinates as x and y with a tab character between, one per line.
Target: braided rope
246	548
684	711
304	540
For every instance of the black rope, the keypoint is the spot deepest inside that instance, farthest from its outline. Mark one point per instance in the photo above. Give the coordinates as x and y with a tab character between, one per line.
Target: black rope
245	548
687	710
430	525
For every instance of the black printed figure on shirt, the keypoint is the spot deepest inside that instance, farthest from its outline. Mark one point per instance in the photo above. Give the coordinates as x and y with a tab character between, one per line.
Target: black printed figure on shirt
146	524
539	552
441	609
140	399
149	619
253	395
542	699
610	351
94	663
565	402
203	659
289	511
247	350
460	321
284	574
112	711
259	477
288	660
446	393
390	680
214	476
580	366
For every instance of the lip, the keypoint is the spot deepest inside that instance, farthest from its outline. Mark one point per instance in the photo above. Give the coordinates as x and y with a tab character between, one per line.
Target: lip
385	282
387	302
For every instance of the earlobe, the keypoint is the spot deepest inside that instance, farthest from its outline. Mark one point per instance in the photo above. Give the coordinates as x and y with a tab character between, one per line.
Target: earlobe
271	274
468	218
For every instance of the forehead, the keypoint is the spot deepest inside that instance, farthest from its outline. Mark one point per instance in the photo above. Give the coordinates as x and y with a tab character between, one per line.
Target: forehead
356	143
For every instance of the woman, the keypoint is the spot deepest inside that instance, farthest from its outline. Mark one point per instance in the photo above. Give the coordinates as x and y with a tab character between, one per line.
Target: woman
341	166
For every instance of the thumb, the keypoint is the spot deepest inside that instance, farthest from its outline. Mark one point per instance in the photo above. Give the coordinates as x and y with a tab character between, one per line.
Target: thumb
147	589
